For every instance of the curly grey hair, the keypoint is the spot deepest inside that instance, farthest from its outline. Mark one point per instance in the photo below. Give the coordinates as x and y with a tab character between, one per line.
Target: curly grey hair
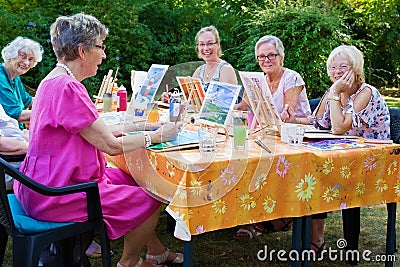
68	33
23	44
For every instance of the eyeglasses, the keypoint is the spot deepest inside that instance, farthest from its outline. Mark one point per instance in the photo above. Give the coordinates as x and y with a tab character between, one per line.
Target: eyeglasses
102	47
24	57
270	57
209	45
340	68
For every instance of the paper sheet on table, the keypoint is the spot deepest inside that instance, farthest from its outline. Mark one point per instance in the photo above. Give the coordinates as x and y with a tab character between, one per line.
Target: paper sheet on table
181	230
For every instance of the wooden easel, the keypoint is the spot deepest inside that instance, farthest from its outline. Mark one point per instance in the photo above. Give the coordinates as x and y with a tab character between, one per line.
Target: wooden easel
193	94
194	98
263	111
106	85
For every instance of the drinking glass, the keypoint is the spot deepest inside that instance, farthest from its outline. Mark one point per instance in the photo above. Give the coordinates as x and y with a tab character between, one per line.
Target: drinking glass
296	138
207	138
239	130
152	112
107	102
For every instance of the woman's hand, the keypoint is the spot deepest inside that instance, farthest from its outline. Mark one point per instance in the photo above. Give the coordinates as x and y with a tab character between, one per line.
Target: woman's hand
165	97
166	132
288	114
343	84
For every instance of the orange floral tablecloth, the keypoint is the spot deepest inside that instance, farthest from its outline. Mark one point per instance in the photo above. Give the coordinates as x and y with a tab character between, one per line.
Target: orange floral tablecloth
229	188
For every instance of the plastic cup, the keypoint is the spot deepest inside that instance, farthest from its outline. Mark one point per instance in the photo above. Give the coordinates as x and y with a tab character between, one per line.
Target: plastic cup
152	109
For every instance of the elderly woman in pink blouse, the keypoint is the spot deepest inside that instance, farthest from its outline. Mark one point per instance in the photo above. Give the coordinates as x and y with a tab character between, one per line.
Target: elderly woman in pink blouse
286	85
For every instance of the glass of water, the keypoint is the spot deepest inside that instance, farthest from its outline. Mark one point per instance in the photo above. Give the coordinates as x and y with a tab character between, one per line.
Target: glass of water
296	138
207	138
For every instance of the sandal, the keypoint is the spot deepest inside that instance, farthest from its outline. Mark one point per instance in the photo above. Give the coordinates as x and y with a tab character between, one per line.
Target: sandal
249	231
94	251
163	258
278	225
140	262
319	249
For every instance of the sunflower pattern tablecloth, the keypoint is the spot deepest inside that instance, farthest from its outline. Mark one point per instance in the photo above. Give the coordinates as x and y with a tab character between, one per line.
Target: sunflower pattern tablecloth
227	188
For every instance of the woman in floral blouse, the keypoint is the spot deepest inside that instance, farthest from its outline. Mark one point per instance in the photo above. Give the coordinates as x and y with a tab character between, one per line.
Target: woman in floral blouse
350	107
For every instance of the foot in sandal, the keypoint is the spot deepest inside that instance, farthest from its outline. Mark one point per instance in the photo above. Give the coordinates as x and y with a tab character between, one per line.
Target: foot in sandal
167	257
249	231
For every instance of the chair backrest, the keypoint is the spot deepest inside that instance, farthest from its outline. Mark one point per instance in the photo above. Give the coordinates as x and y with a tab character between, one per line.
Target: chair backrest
6	218
314	103
13	158
395	124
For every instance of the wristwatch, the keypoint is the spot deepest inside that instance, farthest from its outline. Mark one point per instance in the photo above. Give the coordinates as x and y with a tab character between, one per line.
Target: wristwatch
147	140
334	97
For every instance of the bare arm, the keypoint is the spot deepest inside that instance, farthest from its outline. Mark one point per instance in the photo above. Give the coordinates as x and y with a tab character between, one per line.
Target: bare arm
12	146
102	138
290	99
196	73
25	116
228	75
341	123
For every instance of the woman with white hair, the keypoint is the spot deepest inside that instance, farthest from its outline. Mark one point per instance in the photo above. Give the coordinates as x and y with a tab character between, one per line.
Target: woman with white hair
19	57
287	87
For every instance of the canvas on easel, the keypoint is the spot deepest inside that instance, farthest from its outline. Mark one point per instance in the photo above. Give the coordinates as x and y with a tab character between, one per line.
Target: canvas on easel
148	90
193	92
259	99
218	104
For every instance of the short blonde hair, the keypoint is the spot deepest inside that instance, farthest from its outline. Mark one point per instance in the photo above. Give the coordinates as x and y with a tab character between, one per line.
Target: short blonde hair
214	31
353	55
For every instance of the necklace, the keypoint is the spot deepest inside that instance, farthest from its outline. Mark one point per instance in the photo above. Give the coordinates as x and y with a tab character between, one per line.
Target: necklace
66	69
209	72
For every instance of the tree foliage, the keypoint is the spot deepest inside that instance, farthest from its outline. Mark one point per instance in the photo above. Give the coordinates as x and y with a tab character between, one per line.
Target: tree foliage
143	32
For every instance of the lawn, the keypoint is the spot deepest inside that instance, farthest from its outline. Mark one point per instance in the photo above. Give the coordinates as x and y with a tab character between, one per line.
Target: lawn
220	249
392	102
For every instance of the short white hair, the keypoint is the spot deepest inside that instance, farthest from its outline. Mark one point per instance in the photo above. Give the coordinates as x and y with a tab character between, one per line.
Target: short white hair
23	44
273	40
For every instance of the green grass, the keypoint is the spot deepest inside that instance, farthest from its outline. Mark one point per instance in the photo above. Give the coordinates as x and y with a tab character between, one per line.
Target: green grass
392	102
218	248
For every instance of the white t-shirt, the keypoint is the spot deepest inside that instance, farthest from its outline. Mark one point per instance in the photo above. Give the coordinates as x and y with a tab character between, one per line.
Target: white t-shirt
9	126
290	79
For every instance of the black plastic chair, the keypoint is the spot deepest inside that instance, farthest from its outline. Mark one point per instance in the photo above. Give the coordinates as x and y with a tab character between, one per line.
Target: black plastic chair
3	233
314	103
27	247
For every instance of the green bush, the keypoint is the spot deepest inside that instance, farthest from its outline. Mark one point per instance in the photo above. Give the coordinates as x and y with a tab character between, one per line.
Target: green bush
144	32
309	33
